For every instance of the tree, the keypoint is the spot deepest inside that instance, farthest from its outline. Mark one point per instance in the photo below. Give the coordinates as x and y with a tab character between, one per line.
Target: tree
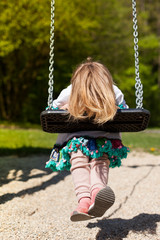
100	29
23	52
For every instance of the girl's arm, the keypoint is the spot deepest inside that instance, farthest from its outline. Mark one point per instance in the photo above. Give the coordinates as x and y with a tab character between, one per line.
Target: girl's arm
63	98
119	97
62	103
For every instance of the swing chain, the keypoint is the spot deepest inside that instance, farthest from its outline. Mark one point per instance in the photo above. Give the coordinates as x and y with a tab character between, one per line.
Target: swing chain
138	84
51	59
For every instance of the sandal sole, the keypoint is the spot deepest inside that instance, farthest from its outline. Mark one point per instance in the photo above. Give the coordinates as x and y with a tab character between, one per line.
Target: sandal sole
103	201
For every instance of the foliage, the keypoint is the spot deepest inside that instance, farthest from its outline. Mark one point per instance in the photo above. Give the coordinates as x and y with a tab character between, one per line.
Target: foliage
101	29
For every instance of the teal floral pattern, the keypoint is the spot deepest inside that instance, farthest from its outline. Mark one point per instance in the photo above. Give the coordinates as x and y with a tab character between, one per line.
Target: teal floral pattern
93	148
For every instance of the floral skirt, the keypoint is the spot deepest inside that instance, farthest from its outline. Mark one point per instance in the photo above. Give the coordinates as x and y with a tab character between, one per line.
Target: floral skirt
91	147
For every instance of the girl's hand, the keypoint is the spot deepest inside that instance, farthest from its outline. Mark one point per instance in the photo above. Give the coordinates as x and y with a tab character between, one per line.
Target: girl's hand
64	107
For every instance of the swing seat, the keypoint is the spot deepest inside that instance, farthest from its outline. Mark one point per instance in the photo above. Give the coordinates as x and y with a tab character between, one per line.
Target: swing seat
125	120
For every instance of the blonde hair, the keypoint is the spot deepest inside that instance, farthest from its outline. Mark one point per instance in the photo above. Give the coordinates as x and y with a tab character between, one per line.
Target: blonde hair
92	94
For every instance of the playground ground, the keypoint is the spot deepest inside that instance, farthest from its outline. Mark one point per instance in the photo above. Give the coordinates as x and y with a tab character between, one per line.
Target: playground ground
36	203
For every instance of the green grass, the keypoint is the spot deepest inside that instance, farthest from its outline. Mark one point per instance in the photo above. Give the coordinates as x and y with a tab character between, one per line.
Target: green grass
23	142
146	141
22	125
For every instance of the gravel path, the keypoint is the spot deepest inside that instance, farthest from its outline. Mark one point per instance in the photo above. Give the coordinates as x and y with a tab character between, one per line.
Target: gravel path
36	203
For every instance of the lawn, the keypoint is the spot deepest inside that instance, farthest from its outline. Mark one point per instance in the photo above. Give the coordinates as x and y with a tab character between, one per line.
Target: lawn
147	141
24	142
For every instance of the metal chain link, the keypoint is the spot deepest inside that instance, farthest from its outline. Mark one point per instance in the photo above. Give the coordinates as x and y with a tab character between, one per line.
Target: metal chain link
138	84
51	59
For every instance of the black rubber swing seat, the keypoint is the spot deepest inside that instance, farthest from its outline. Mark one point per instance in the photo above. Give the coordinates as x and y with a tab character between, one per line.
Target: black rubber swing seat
125	120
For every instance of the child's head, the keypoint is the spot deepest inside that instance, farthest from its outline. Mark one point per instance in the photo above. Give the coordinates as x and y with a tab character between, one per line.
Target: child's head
92	93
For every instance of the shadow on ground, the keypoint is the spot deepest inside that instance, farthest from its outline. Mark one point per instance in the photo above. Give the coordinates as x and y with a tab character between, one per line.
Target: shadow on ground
118	228
23	167
23	151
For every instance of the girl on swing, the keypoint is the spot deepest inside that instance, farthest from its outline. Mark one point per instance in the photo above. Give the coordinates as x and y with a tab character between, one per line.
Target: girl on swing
89	154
